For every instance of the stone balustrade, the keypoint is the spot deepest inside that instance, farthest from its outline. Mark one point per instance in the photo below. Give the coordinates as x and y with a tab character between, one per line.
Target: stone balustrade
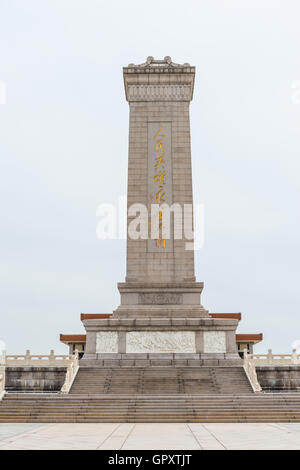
71	362
249	367
271	359
251	361
71	373
35	360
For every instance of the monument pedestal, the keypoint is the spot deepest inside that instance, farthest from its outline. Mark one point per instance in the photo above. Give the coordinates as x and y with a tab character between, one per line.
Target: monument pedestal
163	300
168	321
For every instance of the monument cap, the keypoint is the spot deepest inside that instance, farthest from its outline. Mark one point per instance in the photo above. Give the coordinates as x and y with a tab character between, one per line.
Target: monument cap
159	80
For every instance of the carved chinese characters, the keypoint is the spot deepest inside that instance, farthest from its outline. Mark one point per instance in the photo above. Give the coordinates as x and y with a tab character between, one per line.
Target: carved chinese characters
159	182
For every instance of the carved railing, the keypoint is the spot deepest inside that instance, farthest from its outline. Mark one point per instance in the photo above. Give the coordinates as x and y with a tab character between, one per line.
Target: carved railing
37	360
71	362
72	370
249	367
271	359
2	375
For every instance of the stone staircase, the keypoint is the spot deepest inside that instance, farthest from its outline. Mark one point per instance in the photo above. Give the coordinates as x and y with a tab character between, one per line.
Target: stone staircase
162	381
150	395
254	408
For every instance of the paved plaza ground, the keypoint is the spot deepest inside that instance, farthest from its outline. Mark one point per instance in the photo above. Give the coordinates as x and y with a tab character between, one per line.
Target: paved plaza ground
127	436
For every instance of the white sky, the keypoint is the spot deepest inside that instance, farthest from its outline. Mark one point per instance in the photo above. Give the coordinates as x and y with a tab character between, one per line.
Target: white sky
63	149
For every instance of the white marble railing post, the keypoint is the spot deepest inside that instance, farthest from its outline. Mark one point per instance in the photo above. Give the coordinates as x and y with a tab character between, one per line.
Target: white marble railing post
270	356
27	357
295	357
52	357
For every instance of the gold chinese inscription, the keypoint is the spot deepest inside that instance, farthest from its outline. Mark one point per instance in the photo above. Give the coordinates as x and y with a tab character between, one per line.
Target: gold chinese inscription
160	186
160	177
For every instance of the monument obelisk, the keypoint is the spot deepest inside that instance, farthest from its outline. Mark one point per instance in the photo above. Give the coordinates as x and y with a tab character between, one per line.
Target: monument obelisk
160	277
160	311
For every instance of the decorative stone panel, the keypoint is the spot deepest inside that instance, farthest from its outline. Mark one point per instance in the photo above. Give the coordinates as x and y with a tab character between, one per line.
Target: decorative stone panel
214	341
160	342
107	342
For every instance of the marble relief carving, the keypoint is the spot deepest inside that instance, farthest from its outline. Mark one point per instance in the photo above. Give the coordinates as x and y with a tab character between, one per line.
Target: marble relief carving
160	342
214	341
107	342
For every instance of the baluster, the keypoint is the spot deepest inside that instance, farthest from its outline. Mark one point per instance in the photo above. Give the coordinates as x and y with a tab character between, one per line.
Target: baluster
270	356
27	358
294	356
52	357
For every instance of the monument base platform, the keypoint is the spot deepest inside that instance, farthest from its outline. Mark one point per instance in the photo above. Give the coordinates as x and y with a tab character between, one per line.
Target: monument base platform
154	335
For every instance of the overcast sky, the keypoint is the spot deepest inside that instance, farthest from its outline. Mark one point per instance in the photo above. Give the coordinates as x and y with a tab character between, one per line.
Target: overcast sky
64	150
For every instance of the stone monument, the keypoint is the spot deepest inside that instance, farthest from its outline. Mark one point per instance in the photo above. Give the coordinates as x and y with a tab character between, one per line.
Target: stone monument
160	316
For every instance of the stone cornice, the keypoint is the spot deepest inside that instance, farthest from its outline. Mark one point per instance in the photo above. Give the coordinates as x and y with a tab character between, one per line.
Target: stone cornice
158	66
159	80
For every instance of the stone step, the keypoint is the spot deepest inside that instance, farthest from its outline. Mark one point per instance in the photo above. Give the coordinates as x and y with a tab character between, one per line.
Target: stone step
149	404
156	407
253	398
134	412
160	414
207	409
202	380
157	399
